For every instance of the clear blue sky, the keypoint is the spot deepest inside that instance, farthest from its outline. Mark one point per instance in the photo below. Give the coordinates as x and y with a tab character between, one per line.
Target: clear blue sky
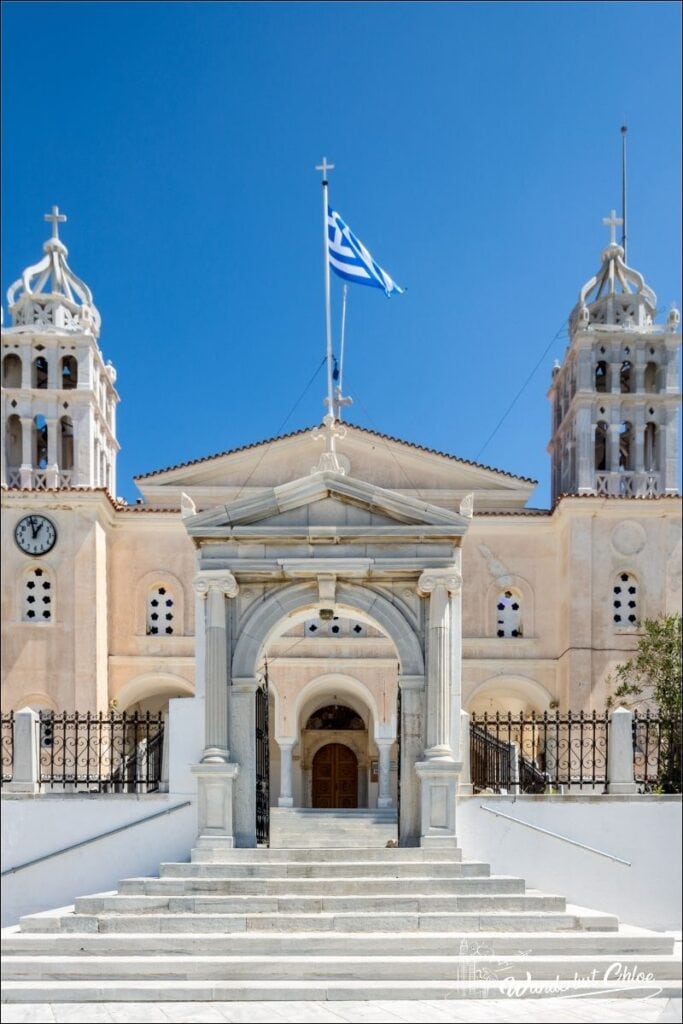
477	148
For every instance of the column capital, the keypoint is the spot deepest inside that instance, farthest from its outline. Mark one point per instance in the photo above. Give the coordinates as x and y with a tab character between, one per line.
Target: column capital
223	582
433	579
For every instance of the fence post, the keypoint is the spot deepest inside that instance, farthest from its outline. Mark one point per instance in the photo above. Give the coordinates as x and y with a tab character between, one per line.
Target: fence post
620	752
465	787
163	780
26	769
551	759
514	768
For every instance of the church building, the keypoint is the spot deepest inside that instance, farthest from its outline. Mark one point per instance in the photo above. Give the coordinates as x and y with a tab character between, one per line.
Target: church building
346	592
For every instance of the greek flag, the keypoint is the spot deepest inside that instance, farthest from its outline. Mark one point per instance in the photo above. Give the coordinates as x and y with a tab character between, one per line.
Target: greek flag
351	260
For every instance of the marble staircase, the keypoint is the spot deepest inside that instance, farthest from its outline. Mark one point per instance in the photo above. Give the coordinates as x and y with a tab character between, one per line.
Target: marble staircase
345	922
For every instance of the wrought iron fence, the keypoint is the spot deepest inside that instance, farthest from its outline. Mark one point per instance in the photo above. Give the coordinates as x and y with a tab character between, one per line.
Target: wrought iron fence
262	767
533	753
7	745
98	753
657	753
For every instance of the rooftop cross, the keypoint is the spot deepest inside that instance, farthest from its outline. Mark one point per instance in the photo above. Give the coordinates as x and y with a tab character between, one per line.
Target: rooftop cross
324	167
612	223
55	218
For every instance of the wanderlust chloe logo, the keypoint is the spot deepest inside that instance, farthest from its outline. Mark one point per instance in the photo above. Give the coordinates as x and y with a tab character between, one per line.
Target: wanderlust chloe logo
481	973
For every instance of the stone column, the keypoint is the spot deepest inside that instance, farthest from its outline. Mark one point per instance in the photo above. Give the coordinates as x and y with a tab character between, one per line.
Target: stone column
613	449
413	696
620	753
52	470
216	682
439	585
215	775
384	790
243	746
585	452
286	798
439	770
26	468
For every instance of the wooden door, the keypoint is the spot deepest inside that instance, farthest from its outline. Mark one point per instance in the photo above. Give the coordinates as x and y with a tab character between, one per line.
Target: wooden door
335	777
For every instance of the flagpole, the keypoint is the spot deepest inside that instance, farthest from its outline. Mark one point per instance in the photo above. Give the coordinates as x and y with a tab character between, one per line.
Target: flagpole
343	336
325	167
624	129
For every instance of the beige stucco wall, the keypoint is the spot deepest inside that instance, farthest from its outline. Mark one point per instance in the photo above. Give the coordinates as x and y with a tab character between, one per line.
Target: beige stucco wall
562	564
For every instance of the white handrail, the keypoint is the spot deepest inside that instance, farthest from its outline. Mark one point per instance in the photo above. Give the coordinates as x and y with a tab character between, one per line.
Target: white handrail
556	835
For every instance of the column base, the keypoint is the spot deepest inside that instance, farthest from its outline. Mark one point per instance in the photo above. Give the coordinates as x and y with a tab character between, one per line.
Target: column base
21	787
385	801
285	801
438	791
622	788
214	796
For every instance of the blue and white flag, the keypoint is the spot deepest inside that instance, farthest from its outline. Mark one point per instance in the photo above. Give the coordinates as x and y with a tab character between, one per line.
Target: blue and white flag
351	260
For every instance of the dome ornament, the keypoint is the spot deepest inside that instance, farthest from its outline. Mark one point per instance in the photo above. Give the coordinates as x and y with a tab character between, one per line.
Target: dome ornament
612	222
617	295
56	218
48	295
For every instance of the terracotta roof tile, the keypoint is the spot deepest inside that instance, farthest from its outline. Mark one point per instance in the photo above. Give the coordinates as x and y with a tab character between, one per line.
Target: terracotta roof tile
353	426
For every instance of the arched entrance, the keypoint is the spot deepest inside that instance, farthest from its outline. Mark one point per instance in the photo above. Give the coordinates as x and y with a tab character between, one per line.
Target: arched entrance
335	777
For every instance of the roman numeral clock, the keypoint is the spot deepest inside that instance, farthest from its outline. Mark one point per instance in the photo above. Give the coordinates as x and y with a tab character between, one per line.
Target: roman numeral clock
35	535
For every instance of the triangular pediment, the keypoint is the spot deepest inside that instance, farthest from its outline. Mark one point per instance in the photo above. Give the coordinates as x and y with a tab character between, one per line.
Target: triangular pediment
430	476
325	500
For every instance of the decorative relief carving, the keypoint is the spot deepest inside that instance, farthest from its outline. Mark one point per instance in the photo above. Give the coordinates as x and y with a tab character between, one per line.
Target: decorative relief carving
496	568
628	537
467	506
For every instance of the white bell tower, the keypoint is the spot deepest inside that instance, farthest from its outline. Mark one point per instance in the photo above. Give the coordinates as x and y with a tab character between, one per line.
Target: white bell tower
58	395
615	396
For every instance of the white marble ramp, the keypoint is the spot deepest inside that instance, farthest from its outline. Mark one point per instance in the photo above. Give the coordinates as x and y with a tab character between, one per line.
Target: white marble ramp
328	924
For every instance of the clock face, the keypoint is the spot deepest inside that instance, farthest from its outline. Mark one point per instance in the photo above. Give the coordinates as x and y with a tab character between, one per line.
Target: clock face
36	535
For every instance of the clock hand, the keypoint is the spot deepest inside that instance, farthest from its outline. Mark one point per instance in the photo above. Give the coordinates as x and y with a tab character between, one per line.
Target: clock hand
33	527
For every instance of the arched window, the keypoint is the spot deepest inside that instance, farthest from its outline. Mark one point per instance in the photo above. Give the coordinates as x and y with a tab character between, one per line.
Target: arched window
66	443
601	434
11	371
160	610
39	442
508	614
39	372
13	442
69	373
625	375
37	597
650	377
625	446
625	601
650	447
601	376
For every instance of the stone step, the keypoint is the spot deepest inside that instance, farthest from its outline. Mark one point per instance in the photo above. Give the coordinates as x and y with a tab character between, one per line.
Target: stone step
333	968
384	855
303	827
351	886
222	991
444	921
327	869
617	944
107	903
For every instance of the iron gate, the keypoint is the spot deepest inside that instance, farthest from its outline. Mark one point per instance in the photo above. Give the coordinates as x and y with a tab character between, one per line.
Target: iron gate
262	766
